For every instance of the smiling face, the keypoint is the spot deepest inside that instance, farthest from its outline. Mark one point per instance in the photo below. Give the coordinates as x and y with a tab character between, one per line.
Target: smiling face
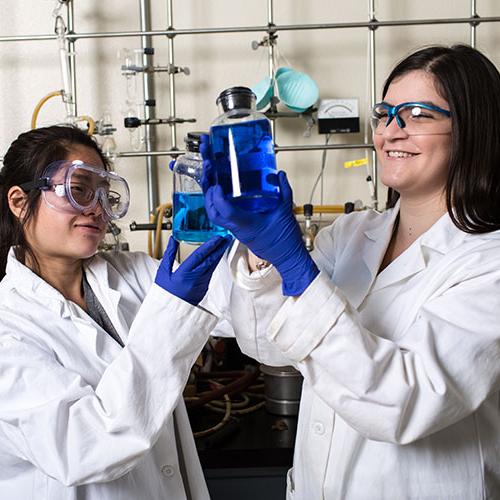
414	165
56	234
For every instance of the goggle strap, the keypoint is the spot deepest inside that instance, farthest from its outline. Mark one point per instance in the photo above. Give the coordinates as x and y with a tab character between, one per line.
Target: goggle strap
43	184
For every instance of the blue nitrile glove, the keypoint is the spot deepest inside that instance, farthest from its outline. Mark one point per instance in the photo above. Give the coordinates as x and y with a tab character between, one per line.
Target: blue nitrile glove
171	164
274	235
190	280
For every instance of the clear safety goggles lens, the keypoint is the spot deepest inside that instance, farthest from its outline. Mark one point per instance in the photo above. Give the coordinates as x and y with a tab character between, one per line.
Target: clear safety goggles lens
76	187
414	117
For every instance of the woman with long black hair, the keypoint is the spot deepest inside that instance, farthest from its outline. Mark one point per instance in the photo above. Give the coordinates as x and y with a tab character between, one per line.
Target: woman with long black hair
95	347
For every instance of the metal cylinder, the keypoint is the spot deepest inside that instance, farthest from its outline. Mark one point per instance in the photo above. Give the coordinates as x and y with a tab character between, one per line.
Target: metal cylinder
282	389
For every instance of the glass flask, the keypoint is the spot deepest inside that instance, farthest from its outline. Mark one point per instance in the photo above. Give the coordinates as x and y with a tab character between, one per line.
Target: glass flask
190	220
242	152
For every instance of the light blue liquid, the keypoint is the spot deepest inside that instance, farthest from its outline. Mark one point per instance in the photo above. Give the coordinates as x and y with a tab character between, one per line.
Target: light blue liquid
191	222
255	164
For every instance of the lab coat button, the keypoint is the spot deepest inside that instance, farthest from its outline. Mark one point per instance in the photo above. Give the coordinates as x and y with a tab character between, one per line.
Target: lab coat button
167	470
318	428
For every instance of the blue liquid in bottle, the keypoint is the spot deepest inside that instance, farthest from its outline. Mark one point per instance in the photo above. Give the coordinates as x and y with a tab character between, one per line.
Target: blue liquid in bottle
191	222
245	164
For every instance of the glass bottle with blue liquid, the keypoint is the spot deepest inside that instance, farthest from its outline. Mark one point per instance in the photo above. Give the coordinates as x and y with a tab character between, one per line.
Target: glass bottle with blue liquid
242	152
190	220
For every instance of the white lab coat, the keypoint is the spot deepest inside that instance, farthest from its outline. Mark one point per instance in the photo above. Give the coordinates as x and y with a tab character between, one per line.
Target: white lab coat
81	417
401	369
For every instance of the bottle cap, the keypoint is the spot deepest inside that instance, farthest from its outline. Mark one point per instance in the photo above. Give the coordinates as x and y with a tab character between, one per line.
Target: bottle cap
236	98
193	141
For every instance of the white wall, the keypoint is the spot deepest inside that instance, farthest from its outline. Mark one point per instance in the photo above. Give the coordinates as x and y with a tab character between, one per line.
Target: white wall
336	59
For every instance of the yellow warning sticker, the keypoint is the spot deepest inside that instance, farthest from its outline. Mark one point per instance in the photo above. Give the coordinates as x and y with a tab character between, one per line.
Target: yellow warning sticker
356	163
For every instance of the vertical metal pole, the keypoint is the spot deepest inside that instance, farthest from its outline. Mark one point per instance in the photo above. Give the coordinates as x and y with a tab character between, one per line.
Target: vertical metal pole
473	13
270	21
373	96
149	111
171	74
72	56
270	51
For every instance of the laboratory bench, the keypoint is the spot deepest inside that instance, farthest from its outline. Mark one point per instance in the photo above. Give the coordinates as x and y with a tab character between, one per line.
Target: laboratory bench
251	458
247	455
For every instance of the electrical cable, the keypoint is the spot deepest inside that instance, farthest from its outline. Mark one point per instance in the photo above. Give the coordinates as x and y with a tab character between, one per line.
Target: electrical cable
224	421
237	412
323	164
237	405
236	386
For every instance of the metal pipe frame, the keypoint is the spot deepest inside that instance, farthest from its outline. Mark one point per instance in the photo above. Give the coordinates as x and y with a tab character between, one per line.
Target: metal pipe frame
373	96
171	74
146	35
72	55
251	29
473	14
270	53
312	147
149	106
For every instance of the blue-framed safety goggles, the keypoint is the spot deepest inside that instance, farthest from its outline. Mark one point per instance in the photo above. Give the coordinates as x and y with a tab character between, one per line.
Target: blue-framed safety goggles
416	118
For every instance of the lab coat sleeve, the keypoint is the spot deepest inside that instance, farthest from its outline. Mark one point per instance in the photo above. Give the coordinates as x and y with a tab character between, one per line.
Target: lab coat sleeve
52	418
245	303
249	300
441	370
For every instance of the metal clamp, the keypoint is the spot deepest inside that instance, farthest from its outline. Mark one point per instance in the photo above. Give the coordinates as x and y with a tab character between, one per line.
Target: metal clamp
104	128
265	42
134	226
134	121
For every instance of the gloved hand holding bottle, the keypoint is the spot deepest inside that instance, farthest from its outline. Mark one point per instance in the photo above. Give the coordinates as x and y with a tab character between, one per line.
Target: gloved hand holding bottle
190	280
273	235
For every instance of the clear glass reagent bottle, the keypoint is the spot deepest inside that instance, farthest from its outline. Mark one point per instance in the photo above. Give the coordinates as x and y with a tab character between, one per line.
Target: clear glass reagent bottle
242	151
190	220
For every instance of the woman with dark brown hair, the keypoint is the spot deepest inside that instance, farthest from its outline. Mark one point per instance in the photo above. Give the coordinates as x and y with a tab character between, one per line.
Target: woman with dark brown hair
394	319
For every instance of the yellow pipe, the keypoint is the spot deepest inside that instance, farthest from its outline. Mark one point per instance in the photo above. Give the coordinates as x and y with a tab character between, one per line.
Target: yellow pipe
90	121
41	102
157	218
321	209
34	117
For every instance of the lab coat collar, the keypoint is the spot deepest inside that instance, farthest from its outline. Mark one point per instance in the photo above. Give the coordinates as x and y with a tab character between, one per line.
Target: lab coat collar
380	225
442	237
22	277
379	236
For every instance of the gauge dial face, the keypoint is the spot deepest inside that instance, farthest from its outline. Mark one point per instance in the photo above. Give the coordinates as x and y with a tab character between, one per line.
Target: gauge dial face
338	108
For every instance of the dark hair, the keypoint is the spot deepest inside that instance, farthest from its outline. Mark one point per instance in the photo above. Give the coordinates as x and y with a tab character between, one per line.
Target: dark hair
25	161
470	83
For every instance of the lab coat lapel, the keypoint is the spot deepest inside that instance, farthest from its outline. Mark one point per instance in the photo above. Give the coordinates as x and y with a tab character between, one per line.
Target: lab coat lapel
442	237
95	338
91	335
367	248
407	264
97	275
